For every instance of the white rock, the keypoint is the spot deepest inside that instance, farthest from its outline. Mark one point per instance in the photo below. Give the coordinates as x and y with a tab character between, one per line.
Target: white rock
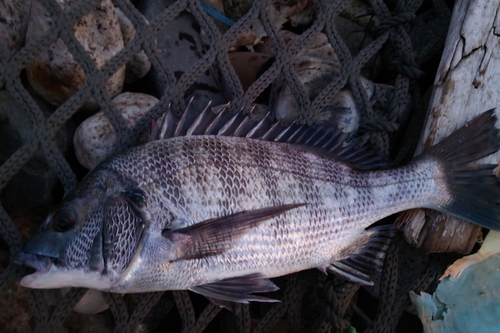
91	303
95	138
316	66
53	73
138	65
347	118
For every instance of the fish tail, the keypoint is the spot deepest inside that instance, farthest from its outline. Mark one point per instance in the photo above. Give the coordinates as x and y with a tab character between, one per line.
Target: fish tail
471	192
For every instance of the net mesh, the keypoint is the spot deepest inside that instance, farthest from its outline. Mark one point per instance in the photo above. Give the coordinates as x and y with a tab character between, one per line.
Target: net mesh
392	43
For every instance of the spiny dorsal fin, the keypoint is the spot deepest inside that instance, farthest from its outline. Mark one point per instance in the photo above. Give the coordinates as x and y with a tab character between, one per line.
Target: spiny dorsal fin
215	236
322	139
368	257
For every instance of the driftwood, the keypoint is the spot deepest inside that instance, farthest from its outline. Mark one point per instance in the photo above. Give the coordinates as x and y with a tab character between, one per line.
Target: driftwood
466	84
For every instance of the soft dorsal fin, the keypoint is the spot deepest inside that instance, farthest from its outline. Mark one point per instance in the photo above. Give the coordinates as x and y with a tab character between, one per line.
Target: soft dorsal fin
215	236
368	256
322	139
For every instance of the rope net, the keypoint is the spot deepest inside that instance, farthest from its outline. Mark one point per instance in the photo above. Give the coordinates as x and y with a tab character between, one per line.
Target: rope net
359	65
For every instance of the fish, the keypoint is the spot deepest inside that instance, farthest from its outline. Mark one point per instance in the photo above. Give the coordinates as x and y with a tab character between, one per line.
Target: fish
220	204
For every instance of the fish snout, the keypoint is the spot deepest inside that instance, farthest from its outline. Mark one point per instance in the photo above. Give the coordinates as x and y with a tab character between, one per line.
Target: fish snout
39	262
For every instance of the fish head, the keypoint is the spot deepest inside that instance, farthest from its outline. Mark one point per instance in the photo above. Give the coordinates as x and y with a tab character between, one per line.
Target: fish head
88	241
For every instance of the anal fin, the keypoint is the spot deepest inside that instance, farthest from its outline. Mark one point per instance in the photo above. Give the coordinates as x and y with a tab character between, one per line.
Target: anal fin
238	289
366	256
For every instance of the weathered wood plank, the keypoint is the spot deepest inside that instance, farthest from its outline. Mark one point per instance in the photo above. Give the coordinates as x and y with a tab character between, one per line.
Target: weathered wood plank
467	83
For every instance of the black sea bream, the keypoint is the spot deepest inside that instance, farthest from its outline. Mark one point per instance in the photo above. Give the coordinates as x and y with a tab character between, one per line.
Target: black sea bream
220	215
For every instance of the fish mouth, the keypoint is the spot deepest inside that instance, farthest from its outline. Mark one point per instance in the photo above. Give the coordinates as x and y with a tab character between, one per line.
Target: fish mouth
39	262
50	275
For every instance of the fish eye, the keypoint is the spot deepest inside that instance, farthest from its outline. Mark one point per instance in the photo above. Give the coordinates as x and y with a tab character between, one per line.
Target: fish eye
63	220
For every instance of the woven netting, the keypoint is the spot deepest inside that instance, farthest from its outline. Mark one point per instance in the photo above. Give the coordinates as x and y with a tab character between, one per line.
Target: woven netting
399	39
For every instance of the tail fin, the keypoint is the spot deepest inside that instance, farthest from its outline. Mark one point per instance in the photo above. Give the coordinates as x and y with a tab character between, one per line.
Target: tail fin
474	188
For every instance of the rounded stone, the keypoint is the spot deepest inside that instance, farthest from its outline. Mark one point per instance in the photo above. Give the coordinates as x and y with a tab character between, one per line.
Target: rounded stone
138	65
54	73
95	138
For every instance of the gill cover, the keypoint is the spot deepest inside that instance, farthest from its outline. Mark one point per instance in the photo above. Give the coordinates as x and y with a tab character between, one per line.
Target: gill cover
124	218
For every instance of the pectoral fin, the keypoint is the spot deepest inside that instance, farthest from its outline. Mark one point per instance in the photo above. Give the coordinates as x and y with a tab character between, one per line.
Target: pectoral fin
215	236
365	256
238	290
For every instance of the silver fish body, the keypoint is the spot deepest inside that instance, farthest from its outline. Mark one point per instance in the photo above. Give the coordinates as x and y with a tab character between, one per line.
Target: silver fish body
150	219
216	176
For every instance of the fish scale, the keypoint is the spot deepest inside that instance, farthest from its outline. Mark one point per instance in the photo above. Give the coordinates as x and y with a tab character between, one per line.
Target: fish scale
220	215
300	177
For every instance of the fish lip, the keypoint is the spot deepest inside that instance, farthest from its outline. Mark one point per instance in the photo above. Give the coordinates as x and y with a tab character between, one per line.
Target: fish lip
39	262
